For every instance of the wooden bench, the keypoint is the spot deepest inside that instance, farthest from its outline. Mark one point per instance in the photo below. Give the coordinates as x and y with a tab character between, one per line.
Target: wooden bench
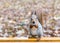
43	39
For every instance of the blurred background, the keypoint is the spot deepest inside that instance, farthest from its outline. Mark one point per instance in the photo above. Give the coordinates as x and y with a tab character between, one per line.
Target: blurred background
13	12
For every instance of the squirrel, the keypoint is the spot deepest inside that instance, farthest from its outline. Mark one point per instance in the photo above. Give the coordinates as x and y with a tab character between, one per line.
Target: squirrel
36	30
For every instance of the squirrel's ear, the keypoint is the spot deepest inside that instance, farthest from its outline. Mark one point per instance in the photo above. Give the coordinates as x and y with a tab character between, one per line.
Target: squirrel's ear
35	12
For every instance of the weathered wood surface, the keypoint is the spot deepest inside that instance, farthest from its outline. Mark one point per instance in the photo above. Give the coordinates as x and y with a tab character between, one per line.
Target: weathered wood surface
43	39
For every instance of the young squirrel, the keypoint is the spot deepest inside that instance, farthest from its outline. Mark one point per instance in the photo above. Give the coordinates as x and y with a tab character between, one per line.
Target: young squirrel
35	27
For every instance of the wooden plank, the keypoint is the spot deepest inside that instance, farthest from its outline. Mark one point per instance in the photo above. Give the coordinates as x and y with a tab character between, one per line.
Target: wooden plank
43	39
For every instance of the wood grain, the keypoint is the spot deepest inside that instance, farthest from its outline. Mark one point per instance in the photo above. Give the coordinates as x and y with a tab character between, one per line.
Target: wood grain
43	39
